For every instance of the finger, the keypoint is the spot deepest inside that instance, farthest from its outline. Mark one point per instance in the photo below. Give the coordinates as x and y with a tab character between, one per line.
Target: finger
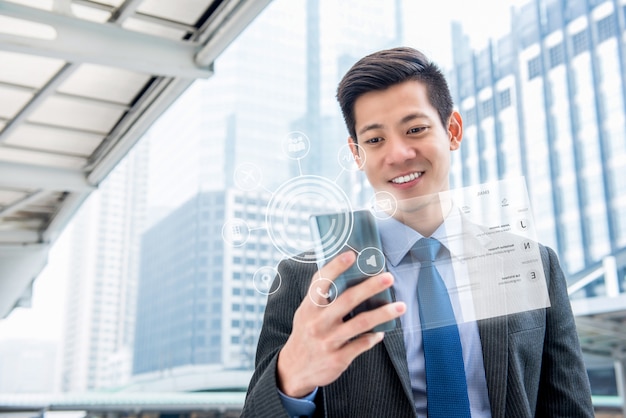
361	344
364	322
337	265
322	284
355	295
321	292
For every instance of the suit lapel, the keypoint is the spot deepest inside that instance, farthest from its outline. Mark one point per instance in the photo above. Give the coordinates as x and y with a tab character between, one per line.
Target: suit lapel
494	340
394	343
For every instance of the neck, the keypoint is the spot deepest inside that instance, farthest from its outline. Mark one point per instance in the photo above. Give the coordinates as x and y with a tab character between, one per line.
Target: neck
425	213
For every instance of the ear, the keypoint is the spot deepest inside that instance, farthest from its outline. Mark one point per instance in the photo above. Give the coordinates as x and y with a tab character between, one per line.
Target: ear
455	130
357	152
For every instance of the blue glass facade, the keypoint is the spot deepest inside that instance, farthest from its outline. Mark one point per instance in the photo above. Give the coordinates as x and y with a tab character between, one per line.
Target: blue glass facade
180	301
547	102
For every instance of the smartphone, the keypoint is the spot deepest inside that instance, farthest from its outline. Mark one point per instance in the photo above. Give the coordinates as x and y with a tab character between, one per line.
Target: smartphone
335	233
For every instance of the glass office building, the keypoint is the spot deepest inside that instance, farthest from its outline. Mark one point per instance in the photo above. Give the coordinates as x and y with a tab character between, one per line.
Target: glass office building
547	102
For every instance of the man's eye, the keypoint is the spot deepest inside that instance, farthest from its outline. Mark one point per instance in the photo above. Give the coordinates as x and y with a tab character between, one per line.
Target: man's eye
374	140
417	130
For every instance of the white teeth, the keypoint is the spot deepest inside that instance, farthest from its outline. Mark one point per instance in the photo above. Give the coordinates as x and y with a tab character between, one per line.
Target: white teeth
408	177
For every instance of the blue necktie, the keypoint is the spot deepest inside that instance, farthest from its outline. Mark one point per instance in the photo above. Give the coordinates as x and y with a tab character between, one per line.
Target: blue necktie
446	387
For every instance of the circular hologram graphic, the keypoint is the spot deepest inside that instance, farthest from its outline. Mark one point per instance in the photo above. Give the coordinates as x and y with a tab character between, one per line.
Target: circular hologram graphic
235	232
321	293
371	261
384	205
264	278
248	176
348	161
289	210
296	145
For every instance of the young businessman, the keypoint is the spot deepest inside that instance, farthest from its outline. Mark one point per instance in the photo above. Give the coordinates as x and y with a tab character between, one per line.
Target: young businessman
398	109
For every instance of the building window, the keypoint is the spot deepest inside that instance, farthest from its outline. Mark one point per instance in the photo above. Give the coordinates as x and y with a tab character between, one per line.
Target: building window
504	98
580	42
486	108
557	55
534	67
606	28
470	116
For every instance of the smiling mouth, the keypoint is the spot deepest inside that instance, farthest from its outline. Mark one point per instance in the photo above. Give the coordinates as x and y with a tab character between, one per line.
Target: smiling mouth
407	178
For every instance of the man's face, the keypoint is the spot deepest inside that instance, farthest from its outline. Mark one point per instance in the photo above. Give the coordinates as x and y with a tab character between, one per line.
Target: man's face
405	147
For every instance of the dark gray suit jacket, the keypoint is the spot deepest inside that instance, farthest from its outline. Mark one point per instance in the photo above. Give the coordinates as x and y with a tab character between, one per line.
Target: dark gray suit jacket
533	362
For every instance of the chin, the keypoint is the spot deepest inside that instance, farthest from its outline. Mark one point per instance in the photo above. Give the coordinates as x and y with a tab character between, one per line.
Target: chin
415	202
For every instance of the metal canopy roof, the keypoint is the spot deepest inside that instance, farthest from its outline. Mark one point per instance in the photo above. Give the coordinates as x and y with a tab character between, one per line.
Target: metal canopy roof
122	402
80	82
601	315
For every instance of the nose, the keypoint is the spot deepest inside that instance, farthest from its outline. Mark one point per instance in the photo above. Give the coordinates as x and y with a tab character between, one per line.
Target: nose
399	150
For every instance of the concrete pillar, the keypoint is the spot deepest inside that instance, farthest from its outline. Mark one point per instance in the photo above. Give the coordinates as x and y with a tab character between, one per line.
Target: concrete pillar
620	380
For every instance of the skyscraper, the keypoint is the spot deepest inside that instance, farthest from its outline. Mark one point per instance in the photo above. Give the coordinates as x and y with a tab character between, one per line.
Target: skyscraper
262	91
277	79
547	102
102	282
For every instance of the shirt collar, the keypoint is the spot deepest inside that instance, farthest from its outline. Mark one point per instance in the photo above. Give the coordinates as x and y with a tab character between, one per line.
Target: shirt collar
397	238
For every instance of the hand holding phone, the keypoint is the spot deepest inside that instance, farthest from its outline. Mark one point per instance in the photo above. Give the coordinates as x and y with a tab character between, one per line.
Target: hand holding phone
335	233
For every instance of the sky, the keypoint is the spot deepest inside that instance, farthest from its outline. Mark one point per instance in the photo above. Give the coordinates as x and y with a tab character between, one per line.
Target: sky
44	319
426	26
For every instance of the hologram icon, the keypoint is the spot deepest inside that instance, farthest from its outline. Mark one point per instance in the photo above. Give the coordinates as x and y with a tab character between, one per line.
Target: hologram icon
522	224
248	176
348	160
235	232
296	145
264	278
321	297
384	205
371	261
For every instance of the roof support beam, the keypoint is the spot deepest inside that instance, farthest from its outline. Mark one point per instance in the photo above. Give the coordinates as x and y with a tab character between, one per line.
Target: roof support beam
11	209
222	32
78	41
142	116
45	92
22	265
125	10
18	239
33	177
72	203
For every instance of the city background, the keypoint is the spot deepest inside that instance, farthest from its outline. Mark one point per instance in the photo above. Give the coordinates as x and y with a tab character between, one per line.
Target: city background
143	292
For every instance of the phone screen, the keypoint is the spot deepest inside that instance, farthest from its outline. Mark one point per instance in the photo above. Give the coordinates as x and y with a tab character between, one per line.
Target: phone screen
335	233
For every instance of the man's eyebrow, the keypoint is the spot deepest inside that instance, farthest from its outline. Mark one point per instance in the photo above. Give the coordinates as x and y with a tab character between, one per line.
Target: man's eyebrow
370	127
407	118
413	116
